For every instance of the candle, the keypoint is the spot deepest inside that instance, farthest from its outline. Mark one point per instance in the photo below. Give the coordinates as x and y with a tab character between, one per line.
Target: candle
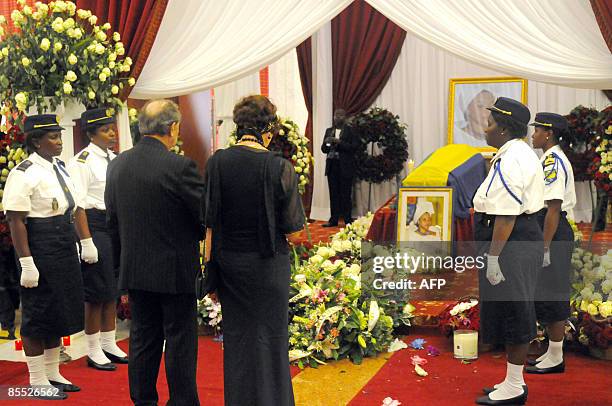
410	165
465	344
66	341
18	345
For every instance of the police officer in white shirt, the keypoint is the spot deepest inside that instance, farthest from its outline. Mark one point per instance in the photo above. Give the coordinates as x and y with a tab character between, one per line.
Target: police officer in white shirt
42	207
88	170
507	231
553	289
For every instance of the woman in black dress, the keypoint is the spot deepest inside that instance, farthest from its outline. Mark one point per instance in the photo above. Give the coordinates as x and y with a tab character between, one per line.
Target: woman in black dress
251	202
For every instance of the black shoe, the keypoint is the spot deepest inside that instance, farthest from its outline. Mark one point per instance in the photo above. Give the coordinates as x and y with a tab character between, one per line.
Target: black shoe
557	369
116	359
486	391
65	387
517	400
11	334
331	224
102	367
532	362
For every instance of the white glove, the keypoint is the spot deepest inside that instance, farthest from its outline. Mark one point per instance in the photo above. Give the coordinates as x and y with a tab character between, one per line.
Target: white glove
494	273
546	261
89	252
29	272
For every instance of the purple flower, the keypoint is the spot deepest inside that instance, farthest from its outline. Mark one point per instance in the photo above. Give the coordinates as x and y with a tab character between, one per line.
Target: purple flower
417	344
433	351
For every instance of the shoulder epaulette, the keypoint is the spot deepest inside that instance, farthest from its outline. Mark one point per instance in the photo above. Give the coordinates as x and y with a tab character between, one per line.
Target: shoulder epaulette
24	165
83	156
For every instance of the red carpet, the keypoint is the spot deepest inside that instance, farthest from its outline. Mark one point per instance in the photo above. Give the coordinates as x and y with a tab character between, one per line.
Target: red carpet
111	388
586	382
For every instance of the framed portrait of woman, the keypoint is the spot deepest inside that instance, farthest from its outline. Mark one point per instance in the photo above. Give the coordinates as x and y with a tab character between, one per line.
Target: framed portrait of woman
425	214
468	100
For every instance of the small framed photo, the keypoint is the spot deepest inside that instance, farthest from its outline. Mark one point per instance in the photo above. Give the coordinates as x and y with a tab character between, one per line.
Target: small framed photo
425	214
468	99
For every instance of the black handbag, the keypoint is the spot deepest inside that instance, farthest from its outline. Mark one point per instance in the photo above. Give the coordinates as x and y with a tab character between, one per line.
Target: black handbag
207	280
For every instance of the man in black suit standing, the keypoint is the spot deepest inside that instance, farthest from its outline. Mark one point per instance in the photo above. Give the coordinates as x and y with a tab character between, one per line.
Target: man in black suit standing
153	206
340	144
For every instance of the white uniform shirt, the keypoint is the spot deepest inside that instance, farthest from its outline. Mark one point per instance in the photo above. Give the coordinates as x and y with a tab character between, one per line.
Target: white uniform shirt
32	186
515	183
558	178
88	170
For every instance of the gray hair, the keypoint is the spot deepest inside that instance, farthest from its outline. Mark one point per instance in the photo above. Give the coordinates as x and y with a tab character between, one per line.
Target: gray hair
156	117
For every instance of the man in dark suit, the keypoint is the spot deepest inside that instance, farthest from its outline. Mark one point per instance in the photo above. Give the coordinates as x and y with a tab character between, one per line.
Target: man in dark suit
340	144
153	206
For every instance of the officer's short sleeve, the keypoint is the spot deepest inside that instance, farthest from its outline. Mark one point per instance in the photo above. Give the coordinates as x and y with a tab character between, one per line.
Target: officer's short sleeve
80	175
17	192
554	179
504	196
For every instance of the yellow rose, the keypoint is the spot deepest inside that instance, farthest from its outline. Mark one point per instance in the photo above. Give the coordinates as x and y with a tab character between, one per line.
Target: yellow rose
70	32
68	23
58	25
57	46
592	309
131	81
125	68
115	89
102	77
16	16
78	33
21	2
45	44
101	36
106	71
67	88
91	95
2	19
605	309
71	7
116	37
93	20
1	31
83	14
42	7
71	76
72	59
112	57
5	51
106	26
36	15
128	60
21	98
111	65
100	49
27	10
25	61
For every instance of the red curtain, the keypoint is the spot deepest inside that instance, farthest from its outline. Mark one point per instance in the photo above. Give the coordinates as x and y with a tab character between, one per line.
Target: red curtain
365	47
136	20
304	55
603	13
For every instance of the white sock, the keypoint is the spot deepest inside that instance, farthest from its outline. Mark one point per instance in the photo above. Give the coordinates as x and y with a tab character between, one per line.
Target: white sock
36	367
555	355
95	350
52	365
107	338
512	386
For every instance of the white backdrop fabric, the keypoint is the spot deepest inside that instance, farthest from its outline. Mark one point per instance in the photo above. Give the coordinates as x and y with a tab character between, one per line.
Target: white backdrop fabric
553	41
203	44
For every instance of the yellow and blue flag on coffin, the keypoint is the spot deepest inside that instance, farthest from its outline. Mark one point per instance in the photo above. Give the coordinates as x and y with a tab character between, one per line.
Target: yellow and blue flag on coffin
459	166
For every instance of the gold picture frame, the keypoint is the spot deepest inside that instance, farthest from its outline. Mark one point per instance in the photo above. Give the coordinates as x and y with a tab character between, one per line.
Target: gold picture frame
467	112
438	199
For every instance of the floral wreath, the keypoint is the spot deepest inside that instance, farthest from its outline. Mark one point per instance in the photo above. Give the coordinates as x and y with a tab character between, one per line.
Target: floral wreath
293	146
601	167
383	128
580	145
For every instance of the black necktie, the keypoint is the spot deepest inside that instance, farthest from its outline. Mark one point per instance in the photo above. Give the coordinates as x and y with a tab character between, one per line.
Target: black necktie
65	189
107	157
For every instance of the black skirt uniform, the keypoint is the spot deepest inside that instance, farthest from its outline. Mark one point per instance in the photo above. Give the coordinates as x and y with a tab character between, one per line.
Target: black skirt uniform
514	186
46	192
554	283
88	169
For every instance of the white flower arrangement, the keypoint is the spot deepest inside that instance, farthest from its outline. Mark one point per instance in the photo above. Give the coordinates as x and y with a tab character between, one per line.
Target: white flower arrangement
593	282
463	307
58	54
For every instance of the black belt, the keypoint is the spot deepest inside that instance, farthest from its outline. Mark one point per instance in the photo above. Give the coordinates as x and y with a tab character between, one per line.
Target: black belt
96	211
67	218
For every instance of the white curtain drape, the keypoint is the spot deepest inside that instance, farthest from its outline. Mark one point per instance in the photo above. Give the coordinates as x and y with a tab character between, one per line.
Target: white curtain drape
285	89
553	41
226	97
417	91
203	44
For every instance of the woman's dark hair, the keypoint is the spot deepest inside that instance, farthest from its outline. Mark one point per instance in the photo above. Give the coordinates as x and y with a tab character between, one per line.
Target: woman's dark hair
254	115
32	136
91	129
514	128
